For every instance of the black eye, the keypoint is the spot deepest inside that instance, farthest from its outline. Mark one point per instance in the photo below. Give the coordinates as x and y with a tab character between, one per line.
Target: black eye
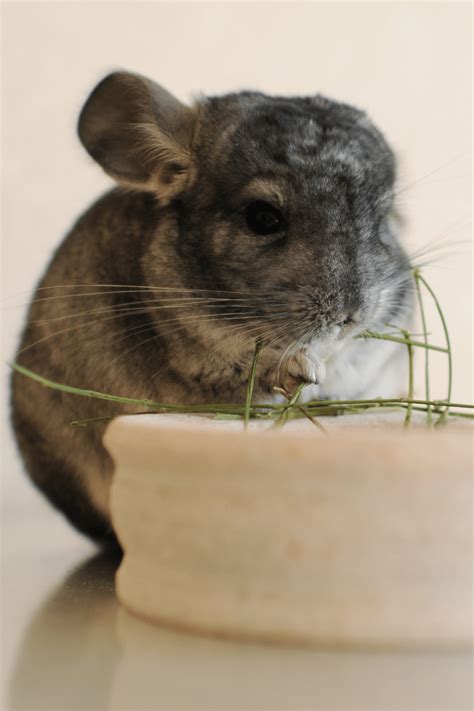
264	219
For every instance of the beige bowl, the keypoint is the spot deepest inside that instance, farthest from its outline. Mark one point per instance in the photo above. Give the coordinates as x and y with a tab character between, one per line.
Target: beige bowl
363	537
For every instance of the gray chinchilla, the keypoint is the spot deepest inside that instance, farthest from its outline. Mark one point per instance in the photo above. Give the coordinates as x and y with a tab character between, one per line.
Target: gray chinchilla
245	217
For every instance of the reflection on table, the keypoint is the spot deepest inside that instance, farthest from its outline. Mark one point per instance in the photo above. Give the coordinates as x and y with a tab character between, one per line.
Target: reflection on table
83	651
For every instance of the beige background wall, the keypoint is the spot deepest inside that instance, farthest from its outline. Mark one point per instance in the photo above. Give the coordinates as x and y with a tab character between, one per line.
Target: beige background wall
407	64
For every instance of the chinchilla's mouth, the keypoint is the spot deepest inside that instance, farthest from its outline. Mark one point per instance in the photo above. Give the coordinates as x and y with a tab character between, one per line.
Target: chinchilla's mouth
332	337
323	346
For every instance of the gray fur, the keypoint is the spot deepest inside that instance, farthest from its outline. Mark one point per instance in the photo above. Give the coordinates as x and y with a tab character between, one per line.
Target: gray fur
177	223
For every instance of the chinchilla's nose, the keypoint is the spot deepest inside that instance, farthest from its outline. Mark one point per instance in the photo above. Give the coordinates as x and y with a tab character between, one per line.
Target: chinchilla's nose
348	318
346	321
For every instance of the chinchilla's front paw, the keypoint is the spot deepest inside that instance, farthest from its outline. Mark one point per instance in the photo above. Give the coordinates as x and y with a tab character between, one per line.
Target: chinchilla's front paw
301	367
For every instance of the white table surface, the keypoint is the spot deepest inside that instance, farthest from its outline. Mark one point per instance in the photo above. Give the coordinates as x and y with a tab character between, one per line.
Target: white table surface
67	643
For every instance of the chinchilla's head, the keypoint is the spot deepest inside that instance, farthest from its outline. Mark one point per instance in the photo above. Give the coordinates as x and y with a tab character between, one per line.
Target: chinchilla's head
284	202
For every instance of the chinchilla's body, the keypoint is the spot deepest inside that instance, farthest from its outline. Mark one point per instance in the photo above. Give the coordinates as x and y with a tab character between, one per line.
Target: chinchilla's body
244	218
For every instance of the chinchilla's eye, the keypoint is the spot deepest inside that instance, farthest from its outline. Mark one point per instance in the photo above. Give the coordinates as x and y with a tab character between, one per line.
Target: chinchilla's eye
264	219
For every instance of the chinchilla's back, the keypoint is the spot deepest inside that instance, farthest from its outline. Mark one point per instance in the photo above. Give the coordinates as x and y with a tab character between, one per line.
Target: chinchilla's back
68	339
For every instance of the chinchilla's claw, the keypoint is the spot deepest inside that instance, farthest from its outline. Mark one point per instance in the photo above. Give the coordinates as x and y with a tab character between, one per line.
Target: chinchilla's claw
301	368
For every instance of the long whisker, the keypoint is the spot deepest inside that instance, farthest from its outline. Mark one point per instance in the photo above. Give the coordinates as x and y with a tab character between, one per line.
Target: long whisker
197	299
215	318
185	321
139	288
69	329
257	330
457	157
131	307
223	316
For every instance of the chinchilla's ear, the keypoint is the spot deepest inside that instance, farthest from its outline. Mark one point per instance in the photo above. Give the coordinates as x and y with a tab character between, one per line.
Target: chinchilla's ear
139	133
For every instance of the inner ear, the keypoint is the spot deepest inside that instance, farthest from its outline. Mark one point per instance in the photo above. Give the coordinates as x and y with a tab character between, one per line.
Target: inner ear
139	133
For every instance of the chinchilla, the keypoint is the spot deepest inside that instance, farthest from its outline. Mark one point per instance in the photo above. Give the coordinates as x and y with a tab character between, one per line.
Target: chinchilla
242	218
